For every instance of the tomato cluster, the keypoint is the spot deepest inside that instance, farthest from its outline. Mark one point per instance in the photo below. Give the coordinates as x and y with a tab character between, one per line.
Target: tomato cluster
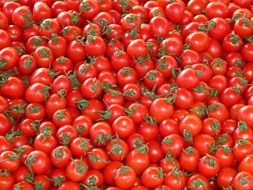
126	94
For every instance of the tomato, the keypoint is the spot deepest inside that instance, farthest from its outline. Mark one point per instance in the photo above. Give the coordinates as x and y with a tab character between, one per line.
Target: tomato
190	126
72	49
97	158
197	181
110	170
76	170
162	108
241	149
43	56
26	64
160	26
189	159
58	45
100	133
168	127
125	177
184	98
94	178
69	184
95	46
138	159
171	46
175	12
152	177
209	166
225	176
203	143
198	41
187	75
173	144
218	111
80	146
175	179
216	9
89	9
117	149
225	156
38	161
123	126
243	180
60	156
137	48
66	134
5	124
245	114
9	161
245	164
41	11
23	185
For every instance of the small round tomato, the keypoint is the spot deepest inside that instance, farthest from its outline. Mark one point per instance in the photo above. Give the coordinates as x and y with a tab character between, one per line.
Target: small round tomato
152	177
243	180
125	177
38	161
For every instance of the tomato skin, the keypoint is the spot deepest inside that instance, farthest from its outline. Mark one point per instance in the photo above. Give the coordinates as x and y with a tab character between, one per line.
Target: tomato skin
208	166
69	184
136	158
191	155
41	11
198	41
23	185
175	180
100	132
5	125
125	177
225	156
197	181
175	12
173	143
43	56
246	114
60	156
110	170
187	75
72	49
190	126
225	176
94	174
9	161
161	109
159	26
246	164
5	144
13	83
243	176
38	161
123	126
95	46
152	177
241	149
184	98
203	142
76	170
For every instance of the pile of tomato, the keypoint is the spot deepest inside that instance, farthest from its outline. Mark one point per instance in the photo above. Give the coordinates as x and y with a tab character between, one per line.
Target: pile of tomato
126	94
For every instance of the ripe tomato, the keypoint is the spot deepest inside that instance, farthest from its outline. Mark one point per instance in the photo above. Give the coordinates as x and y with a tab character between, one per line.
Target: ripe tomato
243	180
152	177
162	108
76	170
38	161
125	177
